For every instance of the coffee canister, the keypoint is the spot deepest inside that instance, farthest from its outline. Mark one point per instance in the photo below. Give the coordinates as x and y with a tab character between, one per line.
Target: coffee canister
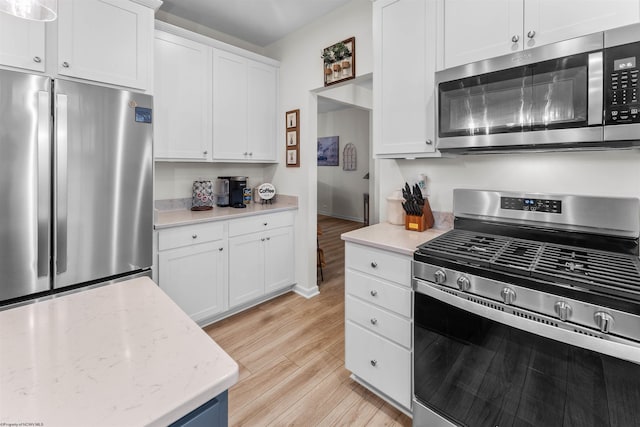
202	196
246	195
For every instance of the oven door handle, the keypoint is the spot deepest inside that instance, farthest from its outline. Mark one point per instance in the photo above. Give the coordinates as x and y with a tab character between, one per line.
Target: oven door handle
619	350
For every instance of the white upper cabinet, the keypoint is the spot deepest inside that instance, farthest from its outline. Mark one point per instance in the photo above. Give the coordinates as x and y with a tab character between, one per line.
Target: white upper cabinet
107	41
244	108
22	43
549	21
262	93
229	106
182	98
403	84
474	30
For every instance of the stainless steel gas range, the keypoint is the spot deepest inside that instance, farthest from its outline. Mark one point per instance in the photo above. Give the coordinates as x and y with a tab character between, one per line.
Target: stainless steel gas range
528	313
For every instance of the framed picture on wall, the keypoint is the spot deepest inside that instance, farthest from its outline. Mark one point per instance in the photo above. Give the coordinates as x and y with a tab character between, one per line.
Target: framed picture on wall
292	119
292	137
292	157
328	153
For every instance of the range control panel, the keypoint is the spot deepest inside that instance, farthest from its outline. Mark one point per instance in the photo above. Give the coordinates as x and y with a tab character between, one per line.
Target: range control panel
534	205
622	68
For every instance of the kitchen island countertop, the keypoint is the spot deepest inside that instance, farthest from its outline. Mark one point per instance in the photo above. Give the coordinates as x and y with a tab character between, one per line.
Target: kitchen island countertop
178	217
391	237
123	354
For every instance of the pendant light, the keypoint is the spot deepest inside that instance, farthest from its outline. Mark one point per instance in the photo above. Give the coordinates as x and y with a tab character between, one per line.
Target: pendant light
34	10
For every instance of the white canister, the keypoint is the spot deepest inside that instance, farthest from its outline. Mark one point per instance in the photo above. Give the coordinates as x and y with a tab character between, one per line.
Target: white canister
395	212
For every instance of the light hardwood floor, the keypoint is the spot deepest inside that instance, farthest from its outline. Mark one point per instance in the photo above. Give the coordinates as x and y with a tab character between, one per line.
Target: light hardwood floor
291	356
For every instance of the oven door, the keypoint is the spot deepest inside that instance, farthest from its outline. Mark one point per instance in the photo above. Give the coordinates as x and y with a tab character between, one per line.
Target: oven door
545	96
477	365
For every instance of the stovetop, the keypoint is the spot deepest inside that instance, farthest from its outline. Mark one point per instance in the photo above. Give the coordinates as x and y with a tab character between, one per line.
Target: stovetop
605	272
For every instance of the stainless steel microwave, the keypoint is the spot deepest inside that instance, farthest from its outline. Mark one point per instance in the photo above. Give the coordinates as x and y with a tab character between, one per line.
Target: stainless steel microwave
580	93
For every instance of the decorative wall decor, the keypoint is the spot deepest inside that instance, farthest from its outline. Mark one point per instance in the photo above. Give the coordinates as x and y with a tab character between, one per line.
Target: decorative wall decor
292	136
328	151
339	62
349	158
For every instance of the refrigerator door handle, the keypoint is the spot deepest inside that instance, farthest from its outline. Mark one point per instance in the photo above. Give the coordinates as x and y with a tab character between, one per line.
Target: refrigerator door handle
61	183
44	183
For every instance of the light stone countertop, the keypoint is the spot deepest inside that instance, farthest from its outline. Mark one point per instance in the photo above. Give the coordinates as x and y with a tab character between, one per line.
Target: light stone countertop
173	218
119	355
391	237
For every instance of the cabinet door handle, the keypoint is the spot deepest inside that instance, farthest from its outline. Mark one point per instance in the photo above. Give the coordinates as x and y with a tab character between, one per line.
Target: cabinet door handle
531	34
65	64
37	59
515	38
374	321
429	142
374	264
374	293
194	236
374	362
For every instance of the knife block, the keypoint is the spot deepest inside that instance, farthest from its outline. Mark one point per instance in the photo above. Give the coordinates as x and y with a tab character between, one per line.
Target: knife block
422	222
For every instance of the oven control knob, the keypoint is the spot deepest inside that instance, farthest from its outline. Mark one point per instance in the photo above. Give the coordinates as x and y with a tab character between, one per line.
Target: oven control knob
508	296
604	321
563	310
463	283
440	276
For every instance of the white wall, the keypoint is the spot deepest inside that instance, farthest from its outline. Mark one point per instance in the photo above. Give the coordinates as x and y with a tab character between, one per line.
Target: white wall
174	180
339	191
300	73
604	173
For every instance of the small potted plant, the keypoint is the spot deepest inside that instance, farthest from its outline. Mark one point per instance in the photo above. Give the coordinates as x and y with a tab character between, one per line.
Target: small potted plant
346	63
339	50
327	57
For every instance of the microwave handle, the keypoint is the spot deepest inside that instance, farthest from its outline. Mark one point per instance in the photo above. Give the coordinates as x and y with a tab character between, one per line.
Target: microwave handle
596	93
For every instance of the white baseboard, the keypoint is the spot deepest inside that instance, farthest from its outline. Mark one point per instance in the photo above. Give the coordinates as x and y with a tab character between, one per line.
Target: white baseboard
347	217
306	292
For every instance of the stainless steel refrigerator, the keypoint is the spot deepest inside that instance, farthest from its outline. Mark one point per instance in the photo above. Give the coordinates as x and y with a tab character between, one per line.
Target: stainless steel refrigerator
76	203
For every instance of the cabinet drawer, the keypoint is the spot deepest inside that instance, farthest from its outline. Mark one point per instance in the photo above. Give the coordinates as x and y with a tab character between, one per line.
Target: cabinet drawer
390	326
384	264
381	363
258	223
190	235
378	292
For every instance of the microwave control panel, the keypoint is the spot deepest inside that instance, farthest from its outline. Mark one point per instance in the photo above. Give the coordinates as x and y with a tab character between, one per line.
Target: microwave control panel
622	68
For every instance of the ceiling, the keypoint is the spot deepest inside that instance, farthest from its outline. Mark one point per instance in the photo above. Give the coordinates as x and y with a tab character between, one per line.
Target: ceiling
260	22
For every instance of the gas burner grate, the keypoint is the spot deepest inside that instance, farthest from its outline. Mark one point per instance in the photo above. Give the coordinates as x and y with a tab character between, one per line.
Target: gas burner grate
607	272
472	247
603	271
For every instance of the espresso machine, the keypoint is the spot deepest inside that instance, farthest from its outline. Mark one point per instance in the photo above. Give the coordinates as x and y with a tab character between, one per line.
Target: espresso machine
230	191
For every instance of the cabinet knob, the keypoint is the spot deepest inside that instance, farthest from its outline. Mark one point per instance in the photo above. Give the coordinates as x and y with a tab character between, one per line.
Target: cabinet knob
429	142
531	34
194	236
65	64
37	59
374	362
374	293
268	238
265	223
221	249
246	153
251	153
374	264
262	239
205	152
374	321
515	38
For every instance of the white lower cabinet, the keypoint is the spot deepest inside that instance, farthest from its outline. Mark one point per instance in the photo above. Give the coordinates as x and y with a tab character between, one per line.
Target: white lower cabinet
378	313
194	277
210	270
260	262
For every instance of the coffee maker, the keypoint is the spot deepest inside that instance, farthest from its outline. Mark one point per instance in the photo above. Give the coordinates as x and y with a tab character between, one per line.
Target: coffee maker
235	186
